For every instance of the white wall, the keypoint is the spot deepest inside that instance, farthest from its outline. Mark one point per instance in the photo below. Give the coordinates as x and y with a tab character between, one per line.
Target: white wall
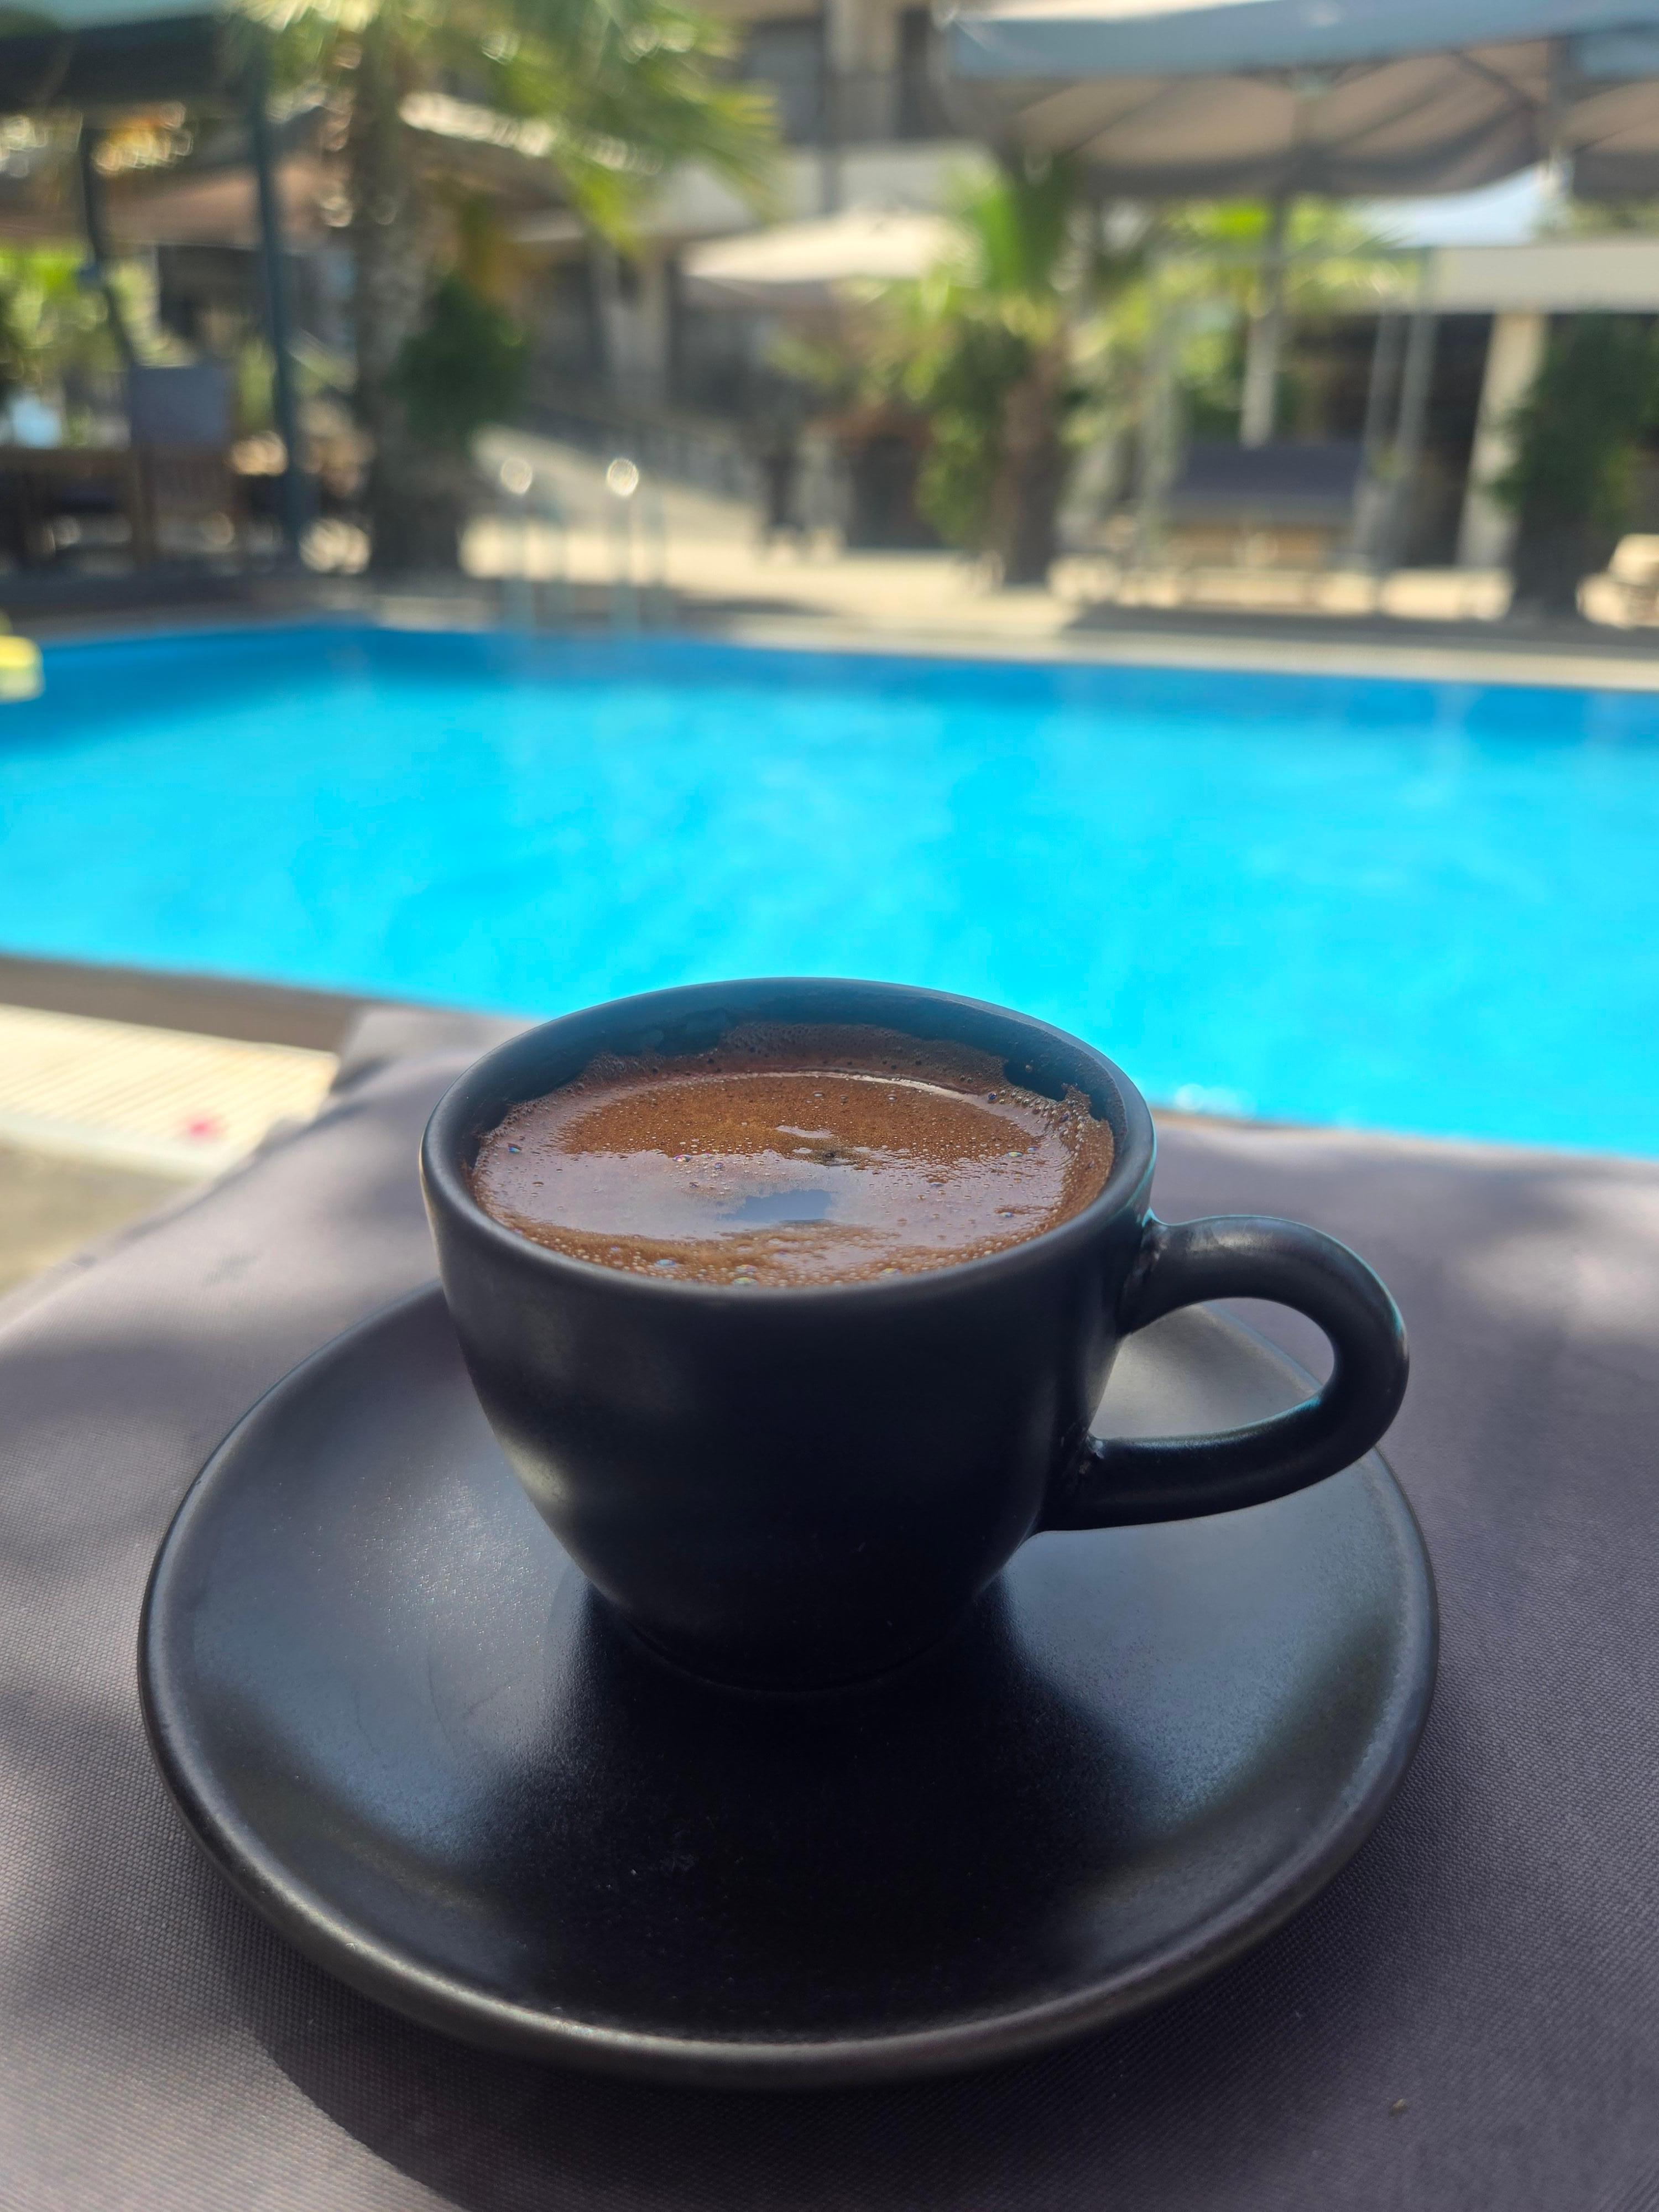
1553	276
1485	535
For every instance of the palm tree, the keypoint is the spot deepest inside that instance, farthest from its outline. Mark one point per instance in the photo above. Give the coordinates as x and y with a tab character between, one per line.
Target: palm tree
1032	337
1249	267
998	349
609	94
982	346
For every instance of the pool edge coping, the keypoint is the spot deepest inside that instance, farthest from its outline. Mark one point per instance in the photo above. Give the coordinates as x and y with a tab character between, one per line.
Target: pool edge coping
1509	664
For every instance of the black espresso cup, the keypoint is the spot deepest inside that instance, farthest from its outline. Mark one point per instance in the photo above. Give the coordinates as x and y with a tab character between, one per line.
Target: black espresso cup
792	1488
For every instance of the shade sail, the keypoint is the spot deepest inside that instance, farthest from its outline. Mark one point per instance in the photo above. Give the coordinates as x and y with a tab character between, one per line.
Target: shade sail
804	264
1360	97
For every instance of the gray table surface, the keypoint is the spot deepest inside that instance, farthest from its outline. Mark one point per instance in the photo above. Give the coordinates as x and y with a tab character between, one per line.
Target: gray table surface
1490	1958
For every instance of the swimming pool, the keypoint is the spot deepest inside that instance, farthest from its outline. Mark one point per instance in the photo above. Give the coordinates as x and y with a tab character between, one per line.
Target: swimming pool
1413	906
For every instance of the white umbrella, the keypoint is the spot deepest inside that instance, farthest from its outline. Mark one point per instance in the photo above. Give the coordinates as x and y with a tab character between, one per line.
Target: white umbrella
806	264
1167	98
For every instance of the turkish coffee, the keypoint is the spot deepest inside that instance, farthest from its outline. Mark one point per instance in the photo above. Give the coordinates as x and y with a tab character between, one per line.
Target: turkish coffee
792	1156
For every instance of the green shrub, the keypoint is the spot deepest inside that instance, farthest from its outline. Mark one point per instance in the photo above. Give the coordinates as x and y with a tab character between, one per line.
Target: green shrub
464	368
1577	434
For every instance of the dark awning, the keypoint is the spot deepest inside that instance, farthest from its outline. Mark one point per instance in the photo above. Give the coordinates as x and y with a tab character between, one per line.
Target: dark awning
102	57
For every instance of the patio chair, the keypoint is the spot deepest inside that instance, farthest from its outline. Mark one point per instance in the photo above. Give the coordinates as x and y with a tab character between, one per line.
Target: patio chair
1288	506
1627	590
180	425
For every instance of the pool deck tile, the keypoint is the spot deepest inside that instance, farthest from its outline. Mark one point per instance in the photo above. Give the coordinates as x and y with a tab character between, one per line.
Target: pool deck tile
152	1100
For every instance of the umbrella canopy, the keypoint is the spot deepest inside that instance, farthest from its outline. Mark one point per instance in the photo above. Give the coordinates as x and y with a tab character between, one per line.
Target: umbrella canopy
806	264
1167	98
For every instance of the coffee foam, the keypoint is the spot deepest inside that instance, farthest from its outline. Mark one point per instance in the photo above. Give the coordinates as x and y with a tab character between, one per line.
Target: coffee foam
792	1156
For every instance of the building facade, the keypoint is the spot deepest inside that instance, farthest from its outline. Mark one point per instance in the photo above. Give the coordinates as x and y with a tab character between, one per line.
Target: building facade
856	85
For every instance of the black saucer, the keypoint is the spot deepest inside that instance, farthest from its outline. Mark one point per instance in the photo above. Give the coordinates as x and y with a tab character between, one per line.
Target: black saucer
394	1715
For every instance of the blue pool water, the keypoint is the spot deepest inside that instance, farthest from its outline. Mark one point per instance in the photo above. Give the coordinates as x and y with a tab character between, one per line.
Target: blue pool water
1413	906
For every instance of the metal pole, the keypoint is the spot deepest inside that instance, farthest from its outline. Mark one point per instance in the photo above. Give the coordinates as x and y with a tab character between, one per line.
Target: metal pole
621	480
1379	391
1266	335
1385	368
277	321
1414	416
832	40
657	601
517	480
559	599
92	218
1157	432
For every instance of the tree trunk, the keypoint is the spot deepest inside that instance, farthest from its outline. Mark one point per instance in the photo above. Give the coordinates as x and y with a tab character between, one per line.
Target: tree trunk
416	495
1024	505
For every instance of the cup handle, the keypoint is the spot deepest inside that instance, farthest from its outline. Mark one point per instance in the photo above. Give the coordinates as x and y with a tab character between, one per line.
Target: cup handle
1116	1481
